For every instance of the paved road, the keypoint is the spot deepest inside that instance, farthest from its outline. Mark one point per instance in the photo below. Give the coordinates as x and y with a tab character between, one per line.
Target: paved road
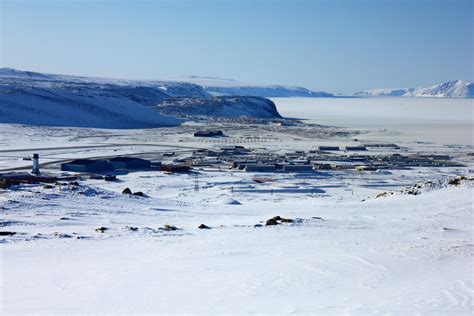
95	146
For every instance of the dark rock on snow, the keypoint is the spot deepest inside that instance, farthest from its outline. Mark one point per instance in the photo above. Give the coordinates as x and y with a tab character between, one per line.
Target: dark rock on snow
110	178
168	228
131	228
7	233
271	222
101	229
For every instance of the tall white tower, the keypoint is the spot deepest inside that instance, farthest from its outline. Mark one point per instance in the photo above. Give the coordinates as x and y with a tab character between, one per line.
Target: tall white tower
36	169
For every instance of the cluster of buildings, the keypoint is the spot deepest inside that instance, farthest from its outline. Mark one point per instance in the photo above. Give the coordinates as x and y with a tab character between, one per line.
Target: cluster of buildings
324	158
239	158
208	134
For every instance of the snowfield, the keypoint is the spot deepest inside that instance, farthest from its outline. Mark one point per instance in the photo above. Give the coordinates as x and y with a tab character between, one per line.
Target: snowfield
395	255
390	242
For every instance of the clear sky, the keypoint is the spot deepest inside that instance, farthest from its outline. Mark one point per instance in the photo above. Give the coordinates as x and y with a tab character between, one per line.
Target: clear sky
335	46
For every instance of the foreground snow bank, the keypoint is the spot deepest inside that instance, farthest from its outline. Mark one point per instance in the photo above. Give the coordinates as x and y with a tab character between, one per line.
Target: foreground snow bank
403	255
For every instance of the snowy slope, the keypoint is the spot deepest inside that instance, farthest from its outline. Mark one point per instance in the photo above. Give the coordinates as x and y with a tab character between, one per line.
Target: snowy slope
17	78
59	107
221	106
219	86
56	100
451	89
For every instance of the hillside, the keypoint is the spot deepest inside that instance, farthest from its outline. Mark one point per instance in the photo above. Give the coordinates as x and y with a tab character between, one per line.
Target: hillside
219	86
17	78
221	106
63	107
57	100
451	89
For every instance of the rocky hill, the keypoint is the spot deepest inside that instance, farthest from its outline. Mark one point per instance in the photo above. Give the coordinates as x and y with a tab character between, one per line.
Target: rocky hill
221	106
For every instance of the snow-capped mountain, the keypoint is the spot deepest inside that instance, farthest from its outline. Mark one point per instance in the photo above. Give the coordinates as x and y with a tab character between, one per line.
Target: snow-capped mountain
451	89
219	86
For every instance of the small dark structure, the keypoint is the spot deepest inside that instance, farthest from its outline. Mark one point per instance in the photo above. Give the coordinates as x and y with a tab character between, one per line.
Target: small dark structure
87	165
130	163
382	145
175	168
208	134
356	148
298	168
15	178
259	168
328	148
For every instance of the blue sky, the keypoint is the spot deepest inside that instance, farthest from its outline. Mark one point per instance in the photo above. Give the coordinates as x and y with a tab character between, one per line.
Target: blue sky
335	46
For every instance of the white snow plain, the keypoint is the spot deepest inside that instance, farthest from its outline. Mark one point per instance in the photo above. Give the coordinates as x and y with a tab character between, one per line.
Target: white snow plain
347	252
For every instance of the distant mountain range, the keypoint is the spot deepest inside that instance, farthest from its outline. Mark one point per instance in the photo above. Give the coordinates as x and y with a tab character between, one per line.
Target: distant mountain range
451	89
220	86
57	100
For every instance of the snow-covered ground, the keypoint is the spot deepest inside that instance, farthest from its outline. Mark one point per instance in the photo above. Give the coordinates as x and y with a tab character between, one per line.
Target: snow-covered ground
347	251
398	255
443	121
